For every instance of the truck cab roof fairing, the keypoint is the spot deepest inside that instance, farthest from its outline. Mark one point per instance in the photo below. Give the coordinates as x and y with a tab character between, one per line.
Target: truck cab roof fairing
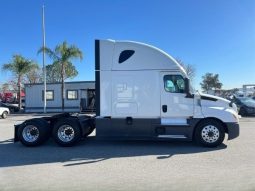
145	57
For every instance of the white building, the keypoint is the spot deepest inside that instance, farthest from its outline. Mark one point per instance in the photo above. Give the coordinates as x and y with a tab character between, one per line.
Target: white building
79	96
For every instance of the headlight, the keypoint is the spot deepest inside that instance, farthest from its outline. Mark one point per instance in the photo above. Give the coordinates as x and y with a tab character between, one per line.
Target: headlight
234	107
18	122
236	116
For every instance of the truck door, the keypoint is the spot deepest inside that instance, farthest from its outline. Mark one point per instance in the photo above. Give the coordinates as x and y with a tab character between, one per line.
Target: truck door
176	108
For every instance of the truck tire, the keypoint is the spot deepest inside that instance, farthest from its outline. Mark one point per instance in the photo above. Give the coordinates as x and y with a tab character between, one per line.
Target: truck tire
209	133
67	132
4	114
34	132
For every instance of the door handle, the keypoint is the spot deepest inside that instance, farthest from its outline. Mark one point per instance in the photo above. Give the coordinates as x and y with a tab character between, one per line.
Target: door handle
164	108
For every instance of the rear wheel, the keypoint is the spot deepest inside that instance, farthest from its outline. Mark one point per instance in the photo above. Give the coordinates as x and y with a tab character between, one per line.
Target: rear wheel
34	132
4	114
67	132
209	133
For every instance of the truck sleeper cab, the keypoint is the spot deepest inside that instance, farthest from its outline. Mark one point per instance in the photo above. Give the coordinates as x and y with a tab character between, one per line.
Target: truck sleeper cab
142	93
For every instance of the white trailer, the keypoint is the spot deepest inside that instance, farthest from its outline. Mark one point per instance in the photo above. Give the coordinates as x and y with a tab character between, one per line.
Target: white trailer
142	93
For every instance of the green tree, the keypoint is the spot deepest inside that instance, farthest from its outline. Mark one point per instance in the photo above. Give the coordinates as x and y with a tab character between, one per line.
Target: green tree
53	72
19	66
62	56
210	82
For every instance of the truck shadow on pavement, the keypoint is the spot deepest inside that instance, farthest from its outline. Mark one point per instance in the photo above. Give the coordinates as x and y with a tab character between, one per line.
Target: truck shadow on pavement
92	151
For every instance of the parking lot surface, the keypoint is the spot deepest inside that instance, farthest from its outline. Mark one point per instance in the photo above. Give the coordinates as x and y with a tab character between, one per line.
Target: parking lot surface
127	165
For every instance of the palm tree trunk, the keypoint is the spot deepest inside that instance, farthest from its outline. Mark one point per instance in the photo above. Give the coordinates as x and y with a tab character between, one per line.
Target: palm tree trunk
19	91
62	87
63	99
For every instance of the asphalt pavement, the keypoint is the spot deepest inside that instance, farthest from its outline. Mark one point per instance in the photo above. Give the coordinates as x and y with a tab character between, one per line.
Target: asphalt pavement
127	165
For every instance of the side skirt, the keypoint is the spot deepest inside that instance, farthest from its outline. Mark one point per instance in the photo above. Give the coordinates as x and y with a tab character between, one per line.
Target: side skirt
143	129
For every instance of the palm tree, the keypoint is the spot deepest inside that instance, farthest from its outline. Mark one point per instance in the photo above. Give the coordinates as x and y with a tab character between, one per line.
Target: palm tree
19	66
62	55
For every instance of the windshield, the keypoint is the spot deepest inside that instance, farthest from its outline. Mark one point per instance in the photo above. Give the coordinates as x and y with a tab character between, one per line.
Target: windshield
247	101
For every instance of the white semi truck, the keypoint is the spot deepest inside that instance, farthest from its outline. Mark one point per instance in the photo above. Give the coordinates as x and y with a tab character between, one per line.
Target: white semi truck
142	93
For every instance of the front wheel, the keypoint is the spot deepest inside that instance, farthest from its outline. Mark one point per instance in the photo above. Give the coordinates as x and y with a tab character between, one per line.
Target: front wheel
4	114
209	133
66	132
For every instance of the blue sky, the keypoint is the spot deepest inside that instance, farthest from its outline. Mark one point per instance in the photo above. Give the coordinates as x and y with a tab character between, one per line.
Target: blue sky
215	36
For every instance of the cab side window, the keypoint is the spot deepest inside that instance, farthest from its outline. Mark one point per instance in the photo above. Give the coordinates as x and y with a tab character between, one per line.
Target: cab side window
174	83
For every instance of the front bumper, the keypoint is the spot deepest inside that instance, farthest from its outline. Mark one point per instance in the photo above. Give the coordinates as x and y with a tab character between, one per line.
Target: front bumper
232	130
250	111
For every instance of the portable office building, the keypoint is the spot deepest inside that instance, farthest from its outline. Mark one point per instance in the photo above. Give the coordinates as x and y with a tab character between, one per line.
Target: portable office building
79	96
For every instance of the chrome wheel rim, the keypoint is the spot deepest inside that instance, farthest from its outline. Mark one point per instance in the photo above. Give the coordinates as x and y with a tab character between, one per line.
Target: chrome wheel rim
4	115
66	133
210	134
30	133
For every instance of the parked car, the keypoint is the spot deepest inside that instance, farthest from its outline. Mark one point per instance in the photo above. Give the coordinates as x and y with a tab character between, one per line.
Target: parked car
11	107
4	111
245	105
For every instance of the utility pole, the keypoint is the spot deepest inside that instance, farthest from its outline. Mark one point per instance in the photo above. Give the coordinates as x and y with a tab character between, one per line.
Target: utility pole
44	67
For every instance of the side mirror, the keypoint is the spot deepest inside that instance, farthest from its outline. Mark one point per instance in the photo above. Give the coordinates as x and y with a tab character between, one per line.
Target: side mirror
187	91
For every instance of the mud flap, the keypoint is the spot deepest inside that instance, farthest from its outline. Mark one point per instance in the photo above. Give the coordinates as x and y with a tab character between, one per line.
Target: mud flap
16	128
